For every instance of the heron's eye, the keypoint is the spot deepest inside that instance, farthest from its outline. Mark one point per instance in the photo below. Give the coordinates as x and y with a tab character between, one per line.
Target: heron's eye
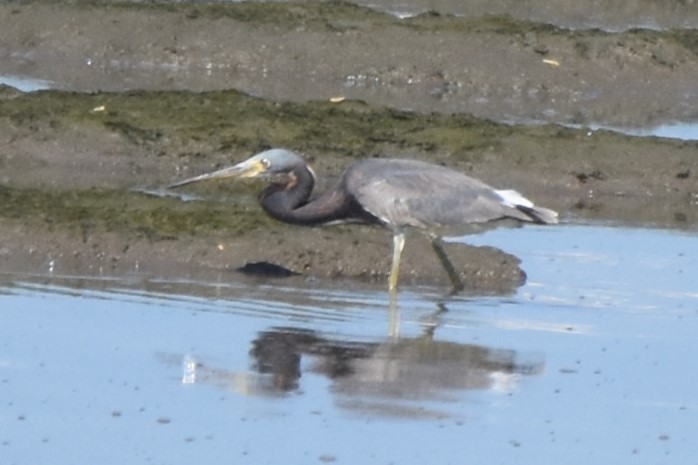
265	162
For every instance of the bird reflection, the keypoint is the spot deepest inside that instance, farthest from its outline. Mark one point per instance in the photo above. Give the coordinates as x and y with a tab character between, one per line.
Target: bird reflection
419	367
380	377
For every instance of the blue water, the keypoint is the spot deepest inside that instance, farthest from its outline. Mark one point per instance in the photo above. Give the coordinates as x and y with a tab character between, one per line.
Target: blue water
680	130
592	361
25	84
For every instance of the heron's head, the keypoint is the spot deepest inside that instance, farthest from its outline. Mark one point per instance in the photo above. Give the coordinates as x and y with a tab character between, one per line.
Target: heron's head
267	163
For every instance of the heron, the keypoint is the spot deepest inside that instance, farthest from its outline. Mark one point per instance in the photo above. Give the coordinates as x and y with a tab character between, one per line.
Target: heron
398	194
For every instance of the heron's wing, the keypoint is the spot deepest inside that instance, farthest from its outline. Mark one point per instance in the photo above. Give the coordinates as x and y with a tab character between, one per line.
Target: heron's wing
411	193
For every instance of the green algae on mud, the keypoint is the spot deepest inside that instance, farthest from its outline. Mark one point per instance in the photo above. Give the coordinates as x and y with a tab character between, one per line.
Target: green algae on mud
231	119
97	211
228	119
199	131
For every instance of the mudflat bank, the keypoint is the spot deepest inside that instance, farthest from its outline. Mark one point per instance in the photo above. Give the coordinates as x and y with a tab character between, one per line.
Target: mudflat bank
78	169
491	66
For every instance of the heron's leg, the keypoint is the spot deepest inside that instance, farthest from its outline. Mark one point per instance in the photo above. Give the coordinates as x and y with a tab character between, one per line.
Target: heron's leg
398	245
437	245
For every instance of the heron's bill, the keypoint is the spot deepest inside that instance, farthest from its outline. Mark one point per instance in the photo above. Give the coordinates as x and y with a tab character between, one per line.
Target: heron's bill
246	169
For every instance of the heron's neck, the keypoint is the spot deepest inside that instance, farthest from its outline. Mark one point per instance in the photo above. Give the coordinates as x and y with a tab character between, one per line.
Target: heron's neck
289	202
281	200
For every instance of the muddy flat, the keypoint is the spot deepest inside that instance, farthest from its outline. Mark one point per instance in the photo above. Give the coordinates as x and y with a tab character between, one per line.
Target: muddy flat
143	95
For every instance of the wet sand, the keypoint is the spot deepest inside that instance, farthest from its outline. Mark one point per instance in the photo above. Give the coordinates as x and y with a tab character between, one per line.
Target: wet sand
73	165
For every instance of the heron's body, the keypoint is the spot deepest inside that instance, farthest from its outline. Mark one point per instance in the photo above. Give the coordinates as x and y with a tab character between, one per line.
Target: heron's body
395	193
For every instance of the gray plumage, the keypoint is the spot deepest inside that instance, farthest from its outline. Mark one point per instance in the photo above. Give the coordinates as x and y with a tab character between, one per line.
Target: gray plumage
413	193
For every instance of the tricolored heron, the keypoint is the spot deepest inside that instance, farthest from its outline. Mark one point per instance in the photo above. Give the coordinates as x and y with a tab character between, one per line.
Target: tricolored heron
397	194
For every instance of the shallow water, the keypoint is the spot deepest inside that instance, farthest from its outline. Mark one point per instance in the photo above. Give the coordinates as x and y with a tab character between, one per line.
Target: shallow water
592	361
24	83
681	131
